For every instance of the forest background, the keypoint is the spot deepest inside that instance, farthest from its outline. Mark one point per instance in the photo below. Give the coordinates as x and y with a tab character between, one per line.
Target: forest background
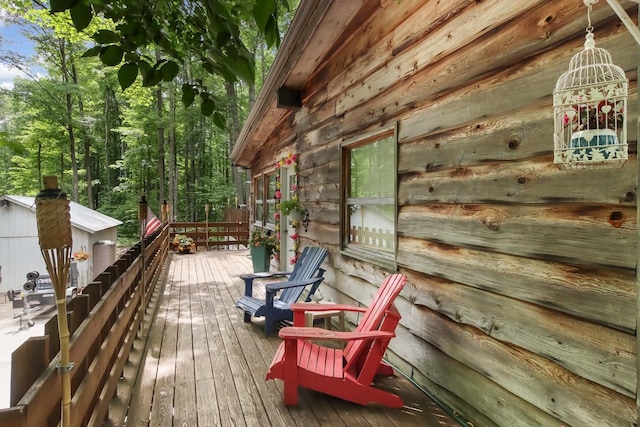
109	146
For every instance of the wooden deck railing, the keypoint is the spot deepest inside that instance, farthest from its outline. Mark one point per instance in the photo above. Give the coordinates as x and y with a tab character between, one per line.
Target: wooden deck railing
213	235
103	320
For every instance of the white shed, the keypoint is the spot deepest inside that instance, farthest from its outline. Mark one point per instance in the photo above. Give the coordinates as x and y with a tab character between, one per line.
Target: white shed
92	232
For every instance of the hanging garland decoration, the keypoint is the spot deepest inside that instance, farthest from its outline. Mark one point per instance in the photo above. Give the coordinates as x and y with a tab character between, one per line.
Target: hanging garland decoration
291	161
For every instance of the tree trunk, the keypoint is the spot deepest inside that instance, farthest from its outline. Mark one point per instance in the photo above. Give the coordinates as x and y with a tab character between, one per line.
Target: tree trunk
39	161
173	167
70	129
86	143
237	177
107	135
160	136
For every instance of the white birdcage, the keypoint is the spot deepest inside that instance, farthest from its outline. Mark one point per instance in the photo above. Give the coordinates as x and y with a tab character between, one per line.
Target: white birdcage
590	109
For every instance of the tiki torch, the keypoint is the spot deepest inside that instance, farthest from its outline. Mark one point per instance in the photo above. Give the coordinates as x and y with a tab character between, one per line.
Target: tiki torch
54	234
164	211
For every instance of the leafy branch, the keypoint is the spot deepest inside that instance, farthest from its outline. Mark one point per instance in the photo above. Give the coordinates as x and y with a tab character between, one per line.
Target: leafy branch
208	30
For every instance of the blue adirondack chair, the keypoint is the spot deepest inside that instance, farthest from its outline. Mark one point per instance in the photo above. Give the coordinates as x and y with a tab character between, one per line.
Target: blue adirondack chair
306	272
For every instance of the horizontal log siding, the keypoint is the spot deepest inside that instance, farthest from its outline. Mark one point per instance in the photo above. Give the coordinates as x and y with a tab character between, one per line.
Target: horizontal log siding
522	299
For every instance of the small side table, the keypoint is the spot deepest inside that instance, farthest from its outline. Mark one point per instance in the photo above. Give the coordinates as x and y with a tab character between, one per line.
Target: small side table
311	316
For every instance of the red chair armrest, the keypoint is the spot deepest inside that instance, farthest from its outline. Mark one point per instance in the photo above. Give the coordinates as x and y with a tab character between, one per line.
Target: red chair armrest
291	332
314	306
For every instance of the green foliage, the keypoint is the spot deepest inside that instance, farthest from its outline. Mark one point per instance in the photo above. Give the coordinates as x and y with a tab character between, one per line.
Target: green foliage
263	238
111	55
127	74
81	14
265	14
106	37
119	121
292	205
188	94
12	146
207	30
169	71
263	11
182	240
60	5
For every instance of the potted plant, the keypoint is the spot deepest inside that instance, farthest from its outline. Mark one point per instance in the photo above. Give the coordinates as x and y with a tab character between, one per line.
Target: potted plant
81	255
293	207
184	243
262	244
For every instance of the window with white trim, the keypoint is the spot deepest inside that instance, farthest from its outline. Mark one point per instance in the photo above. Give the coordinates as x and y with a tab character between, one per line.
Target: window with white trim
369	195
259	200
265	201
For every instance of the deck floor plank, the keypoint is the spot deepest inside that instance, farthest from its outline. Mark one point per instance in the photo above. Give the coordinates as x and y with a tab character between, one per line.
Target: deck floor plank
152	329
251	344
162	405
252	408
184	406
208	411
266	347
206	366
226	395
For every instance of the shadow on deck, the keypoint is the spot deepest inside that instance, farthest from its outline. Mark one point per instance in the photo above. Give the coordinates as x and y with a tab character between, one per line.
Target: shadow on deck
203	366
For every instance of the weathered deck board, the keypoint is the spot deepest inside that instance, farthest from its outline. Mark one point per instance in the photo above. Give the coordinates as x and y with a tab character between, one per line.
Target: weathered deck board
184	406
254	346
139	404
206	394
205	367
164	388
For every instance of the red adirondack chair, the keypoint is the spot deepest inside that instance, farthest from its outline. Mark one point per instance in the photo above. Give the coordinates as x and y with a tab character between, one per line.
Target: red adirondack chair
349	373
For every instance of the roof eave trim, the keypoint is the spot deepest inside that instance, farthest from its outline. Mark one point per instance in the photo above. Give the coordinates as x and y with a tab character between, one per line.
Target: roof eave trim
306	15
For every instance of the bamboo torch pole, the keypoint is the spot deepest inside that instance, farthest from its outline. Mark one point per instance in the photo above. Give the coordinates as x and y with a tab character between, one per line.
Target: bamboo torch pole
54	234
206	222
165	218
142	216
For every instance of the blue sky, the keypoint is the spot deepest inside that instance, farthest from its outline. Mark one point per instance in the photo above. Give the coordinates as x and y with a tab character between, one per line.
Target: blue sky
12	40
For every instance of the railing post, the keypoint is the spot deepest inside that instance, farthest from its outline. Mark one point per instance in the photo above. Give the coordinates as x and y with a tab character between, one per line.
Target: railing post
142	215
27	363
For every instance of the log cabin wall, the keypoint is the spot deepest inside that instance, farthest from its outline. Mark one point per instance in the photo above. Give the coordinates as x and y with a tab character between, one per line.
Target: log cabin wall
522	304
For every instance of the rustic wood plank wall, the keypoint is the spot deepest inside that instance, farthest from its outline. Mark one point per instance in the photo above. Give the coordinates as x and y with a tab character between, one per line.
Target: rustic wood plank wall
521	304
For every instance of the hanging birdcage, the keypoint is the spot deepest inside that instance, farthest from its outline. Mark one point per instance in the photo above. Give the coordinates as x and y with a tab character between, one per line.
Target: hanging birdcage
590	109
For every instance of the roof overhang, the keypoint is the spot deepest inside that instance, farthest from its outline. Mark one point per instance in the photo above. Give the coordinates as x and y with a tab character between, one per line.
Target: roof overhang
81	217
316	27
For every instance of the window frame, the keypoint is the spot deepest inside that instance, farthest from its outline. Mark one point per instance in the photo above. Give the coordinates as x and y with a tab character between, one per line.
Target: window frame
258	199
386	260
263	201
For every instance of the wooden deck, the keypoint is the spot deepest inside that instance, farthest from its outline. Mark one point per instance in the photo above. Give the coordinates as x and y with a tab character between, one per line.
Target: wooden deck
203	366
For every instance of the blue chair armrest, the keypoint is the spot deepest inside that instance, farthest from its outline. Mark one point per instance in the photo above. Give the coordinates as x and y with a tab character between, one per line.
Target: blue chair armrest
249	278
273	288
